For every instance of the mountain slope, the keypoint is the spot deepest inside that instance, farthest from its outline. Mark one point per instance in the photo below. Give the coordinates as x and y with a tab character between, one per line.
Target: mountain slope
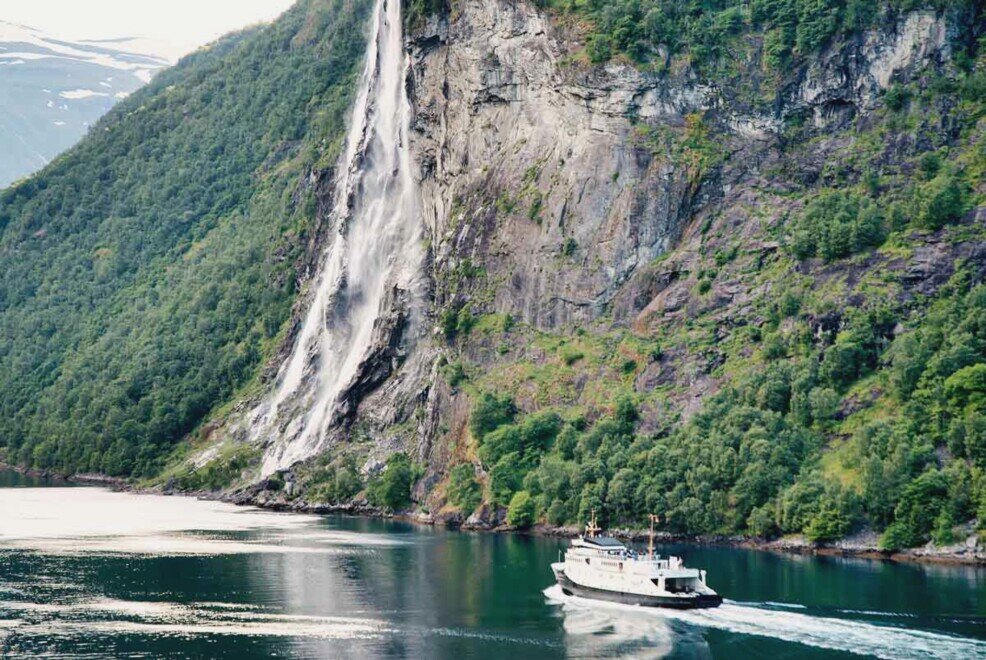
53	91
719	261
146	270
695	286
742	291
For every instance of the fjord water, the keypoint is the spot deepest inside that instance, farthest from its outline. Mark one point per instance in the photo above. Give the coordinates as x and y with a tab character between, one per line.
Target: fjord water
85	572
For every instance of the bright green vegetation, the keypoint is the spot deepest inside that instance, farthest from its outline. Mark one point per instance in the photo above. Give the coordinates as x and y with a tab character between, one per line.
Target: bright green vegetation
223	469
463	490
147	272
391	487
521	511
837	224
757	458
840	223
710	33
334	482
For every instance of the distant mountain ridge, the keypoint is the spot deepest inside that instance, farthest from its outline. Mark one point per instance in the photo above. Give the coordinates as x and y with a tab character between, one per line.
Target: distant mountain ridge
53	90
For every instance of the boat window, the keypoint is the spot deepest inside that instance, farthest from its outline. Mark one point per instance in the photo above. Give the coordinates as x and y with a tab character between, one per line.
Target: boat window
677	585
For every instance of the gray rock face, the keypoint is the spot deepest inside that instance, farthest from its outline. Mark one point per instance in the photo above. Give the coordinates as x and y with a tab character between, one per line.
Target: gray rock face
847	80
535	169
521	155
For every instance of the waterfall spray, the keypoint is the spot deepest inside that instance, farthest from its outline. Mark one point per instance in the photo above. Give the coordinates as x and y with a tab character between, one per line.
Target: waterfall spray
375	249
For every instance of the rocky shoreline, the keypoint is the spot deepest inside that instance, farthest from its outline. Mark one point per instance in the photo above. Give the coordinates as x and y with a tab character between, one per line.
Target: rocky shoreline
971	552
863	545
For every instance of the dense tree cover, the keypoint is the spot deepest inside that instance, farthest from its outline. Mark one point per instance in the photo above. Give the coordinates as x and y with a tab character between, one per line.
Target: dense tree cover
391	487
839	223
707	30
836	224
146	271
749	462
521	511
463	490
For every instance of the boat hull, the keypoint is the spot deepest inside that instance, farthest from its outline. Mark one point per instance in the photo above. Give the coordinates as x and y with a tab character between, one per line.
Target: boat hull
674	602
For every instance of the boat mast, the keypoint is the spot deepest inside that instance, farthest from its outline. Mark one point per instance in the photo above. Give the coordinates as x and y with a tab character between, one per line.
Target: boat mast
650	542
591	529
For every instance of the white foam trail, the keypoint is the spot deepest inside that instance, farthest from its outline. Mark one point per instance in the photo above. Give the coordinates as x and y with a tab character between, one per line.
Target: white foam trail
376	249
823	632
786	606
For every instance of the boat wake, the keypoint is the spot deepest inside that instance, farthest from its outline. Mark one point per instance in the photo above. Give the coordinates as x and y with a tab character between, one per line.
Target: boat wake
846	635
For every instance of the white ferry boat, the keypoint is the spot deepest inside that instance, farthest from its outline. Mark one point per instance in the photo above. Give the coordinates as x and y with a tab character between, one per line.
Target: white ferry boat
601	567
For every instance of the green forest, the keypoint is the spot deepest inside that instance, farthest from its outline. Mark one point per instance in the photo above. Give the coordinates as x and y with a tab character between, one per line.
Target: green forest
148	271
709	32
749	461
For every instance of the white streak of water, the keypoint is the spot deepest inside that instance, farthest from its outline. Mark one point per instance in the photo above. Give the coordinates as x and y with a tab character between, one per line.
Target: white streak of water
376	248
857	637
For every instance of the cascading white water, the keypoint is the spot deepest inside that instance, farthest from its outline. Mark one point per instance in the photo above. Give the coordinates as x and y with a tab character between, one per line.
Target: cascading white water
376	247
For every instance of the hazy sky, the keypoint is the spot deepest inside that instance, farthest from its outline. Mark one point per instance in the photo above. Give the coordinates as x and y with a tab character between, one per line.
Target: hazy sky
182	24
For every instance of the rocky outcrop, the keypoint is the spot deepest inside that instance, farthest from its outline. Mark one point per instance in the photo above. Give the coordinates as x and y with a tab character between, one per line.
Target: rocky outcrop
849	78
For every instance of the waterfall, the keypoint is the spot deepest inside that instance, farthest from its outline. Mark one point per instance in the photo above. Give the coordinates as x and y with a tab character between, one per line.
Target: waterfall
375	249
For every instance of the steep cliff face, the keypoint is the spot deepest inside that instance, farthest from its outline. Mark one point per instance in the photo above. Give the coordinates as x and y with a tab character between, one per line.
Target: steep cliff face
547	201
599	234
849	79
539	173
518	150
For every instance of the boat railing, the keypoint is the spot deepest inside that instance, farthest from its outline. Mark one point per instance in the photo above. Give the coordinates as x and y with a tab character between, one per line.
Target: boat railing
670	563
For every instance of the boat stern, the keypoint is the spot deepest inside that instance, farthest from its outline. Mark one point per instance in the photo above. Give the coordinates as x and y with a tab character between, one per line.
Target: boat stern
702	601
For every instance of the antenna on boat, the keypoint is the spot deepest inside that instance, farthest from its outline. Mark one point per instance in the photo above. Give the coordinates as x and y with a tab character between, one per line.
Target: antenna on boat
650	542
591	529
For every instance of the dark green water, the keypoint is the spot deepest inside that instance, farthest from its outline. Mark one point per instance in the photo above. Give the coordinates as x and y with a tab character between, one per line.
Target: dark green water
341	587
